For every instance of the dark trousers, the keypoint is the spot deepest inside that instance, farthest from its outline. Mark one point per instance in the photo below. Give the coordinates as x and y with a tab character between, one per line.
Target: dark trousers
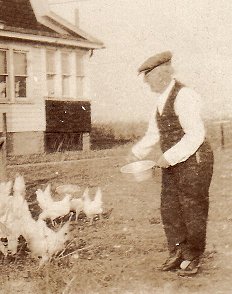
185	202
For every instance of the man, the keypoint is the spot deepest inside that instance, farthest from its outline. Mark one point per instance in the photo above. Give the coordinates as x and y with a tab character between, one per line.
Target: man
186	162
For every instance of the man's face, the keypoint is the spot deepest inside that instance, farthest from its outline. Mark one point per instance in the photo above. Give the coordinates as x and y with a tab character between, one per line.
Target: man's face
159	78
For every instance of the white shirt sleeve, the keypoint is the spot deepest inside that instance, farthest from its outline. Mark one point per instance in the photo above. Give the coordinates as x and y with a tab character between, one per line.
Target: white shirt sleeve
151	137
188	108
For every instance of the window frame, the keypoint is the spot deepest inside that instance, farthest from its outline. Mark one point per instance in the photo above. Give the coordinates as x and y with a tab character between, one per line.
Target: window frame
65	74
53	73
80	74
26	76
11	97
6	98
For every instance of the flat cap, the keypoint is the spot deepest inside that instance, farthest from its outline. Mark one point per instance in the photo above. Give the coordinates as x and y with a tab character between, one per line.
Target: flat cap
155	61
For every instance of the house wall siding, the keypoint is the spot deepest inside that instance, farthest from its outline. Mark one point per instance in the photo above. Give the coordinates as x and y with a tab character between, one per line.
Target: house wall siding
31	116
28	116
26	120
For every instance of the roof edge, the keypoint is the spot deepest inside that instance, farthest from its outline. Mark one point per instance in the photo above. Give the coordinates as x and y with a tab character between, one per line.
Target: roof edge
40	8
57	41
50	19
71	27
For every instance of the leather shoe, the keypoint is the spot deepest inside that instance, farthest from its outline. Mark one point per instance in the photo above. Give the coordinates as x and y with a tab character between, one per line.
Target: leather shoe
173	262
191	269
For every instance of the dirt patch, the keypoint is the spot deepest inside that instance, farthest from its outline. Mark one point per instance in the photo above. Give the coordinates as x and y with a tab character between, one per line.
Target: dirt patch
122	252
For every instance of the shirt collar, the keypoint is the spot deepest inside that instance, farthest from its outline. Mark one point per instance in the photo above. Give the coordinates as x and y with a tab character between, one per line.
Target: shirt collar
164	96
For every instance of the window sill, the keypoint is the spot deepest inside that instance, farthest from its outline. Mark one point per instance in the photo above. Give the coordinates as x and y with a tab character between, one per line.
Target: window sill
3	101
67	98
17	102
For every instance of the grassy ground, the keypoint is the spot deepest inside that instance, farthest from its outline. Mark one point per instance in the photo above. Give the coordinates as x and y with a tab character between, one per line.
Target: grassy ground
122	252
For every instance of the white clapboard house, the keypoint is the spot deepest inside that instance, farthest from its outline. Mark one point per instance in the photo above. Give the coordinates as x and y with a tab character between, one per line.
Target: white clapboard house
42	79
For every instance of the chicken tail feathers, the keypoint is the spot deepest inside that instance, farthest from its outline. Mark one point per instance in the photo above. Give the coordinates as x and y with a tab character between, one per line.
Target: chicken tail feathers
98	195
19	185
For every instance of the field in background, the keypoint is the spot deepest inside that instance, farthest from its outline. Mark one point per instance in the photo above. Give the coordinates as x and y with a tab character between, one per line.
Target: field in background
219	133
108	135
105	136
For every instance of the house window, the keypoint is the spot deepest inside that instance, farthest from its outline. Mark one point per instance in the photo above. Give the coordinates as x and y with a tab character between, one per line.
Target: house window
51	72
20	74
65	67
3	74
14	83
79	74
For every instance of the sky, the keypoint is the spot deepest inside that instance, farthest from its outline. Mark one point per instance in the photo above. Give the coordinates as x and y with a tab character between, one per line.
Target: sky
199	33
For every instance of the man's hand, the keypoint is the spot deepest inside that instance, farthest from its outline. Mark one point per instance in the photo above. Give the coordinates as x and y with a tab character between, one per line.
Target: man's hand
162	162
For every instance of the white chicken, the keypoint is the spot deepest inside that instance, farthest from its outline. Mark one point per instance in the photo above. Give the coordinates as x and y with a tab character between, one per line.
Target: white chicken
44	242
92	207
44	198
4	233
5	190
76	205
68	189
16	220
19	208
17	214
56	209
19	186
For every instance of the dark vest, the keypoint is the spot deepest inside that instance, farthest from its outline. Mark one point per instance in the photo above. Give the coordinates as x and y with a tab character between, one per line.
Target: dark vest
168	123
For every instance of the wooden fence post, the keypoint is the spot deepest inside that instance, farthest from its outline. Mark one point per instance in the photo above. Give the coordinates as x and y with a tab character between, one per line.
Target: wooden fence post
3	173
222	136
